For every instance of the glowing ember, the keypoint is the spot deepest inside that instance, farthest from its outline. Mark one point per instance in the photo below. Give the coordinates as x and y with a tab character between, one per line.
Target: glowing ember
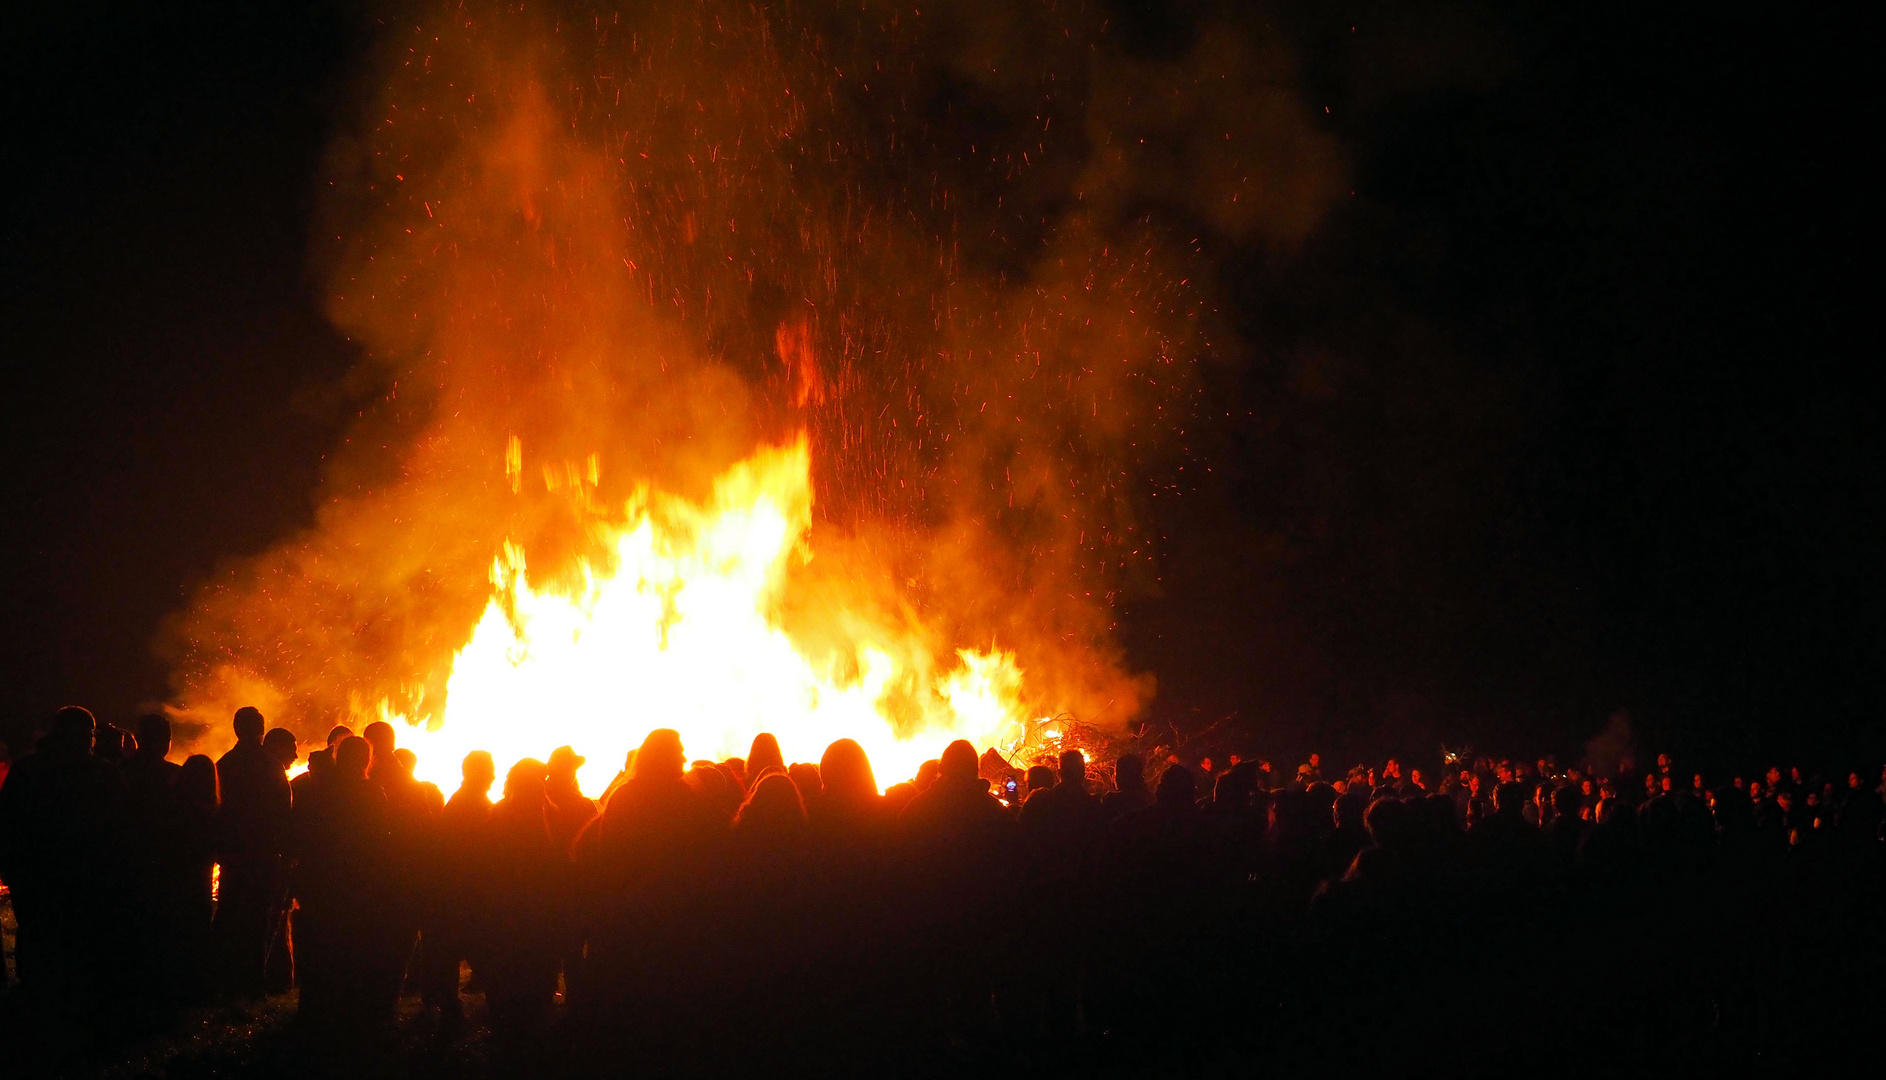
681	633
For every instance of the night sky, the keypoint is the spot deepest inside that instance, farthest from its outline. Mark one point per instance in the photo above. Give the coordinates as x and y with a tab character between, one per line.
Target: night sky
1569	409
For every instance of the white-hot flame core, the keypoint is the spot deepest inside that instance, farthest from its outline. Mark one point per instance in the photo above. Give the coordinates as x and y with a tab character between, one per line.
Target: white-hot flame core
679	633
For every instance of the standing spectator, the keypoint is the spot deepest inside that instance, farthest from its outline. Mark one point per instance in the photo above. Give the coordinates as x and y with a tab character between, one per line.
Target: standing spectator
255	807
63	833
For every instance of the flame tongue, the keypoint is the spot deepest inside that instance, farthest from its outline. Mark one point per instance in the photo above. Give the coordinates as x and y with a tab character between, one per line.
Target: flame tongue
679	633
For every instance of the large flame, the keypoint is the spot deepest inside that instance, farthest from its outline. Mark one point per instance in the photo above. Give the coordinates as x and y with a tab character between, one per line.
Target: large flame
681	631
917	249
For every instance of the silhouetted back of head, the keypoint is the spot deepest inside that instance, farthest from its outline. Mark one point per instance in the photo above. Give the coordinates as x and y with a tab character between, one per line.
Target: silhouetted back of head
660	756
1567	801
1388	822
478	770
352	757
197	781
564	761
153	735
1039	777
1129	773
1351	809
845	772
320	761
248	724
524	784
773	809
406	760
381	737
73	728
336	733
1176	788
763	755
1074	767
927	773
1510	798
280	743
714	787
805	777
958	763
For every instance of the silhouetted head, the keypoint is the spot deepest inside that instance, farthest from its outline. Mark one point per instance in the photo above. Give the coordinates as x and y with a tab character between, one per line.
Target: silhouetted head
197	781
280	743
405	760
958	763
1129	773
153	735
524	784
1509	799
772	810
73	728
1039	777
845	772
927	774
352	757
381	736
478	770
109	742
763	755
1233	789
1387	822
715	789
320	761
1176	787
564	761
660	756
1567	801
248	724
1732	811
336	733
1352	809
1074	768
805	777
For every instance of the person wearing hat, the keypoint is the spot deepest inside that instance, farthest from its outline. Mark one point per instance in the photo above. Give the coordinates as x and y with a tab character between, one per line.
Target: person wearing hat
570	809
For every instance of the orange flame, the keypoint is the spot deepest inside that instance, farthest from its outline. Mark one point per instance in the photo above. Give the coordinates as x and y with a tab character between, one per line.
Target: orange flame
681	632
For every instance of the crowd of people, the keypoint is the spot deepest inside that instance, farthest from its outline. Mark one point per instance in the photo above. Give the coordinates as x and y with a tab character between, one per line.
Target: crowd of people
1146	916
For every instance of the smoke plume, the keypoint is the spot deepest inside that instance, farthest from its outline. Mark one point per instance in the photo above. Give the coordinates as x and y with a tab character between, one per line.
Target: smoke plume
585	252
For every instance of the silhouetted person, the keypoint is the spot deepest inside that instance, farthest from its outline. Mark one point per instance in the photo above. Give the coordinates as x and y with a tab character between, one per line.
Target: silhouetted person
63	835
1129	795
255	806
772	821
955	834
569	809
460	883
343	839
162	840
147	776
805	777
522	916
763	755
642	865
112	744
189	904
847	812
319	762
279	974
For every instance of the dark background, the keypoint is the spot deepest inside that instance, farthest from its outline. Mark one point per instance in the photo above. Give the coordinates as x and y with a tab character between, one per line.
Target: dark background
1569	410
